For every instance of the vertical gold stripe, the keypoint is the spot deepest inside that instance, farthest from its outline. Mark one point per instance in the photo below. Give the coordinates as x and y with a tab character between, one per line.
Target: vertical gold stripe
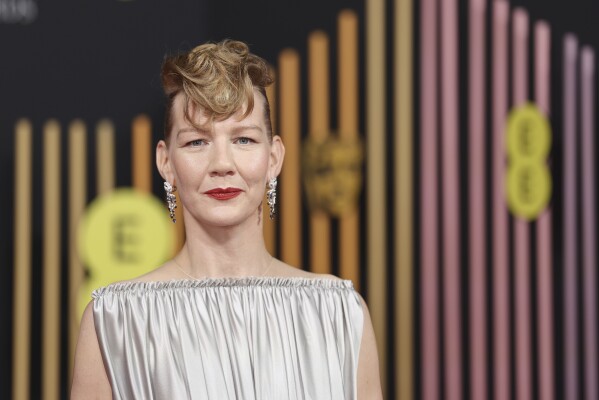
105	156
349	246
141	145
347	30
291	223
269	226
51	263
319	125
404	192
375	182
318	81
77	201
22	261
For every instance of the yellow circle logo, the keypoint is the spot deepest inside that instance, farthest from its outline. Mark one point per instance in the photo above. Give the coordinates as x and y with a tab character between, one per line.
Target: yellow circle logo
528	133
123	234
529	188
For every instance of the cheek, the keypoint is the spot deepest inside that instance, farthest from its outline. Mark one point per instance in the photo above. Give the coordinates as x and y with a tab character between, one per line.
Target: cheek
187	170
256	170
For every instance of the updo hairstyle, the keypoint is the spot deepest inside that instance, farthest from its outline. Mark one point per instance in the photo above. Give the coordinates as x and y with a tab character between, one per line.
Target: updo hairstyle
219	78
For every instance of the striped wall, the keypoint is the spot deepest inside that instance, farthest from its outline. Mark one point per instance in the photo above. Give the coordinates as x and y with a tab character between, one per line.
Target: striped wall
468	298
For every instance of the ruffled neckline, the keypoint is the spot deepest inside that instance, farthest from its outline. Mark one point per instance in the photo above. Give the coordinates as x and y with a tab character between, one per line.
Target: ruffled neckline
249	281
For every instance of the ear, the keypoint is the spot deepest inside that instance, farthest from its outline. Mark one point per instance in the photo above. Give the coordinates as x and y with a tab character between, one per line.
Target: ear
163	162
277	154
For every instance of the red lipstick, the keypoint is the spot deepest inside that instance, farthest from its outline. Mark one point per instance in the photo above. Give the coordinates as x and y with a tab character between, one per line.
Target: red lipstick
223	194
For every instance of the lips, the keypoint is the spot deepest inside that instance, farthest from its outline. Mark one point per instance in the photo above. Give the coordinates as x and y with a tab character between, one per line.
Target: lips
223	194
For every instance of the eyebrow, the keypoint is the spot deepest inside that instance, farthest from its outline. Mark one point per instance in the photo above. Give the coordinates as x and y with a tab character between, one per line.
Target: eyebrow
246	127
237	129
190	129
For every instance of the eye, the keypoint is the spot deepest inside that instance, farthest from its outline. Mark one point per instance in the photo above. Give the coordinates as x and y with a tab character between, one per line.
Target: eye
196	143
245	140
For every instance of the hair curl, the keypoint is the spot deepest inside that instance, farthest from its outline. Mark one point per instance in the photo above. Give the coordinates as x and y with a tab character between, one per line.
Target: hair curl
219	78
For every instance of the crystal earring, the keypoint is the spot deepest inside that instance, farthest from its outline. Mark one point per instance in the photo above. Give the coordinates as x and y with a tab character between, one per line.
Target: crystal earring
171	199
271	197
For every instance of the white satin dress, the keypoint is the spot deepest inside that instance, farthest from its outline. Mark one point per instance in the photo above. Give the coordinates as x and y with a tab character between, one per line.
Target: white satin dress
263	338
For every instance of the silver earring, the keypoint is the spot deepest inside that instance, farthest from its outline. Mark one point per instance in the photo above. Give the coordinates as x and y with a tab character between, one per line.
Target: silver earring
271	197
171	199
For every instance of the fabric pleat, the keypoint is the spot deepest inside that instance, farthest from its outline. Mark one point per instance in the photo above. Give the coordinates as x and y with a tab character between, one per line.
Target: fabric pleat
230	338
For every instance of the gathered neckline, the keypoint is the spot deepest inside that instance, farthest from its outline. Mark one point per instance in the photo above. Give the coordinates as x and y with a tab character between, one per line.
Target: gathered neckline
246	281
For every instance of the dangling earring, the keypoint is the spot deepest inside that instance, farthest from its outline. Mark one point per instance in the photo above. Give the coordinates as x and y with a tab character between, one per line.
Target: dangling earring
271	197
171	199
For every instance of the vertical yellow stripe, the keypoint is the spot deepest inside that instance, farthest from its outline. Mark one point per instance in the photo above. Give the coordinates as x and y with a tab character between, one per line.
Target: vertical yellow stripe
269	226
349	251
77	201
404	191
51	263
375	181
141	147
318	81
105	157
291	212
22	261
319	126
347	30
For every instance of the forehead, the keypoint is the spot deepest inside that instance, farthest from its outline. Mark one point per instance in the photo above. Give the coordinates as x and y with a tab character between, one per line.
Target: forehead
200	117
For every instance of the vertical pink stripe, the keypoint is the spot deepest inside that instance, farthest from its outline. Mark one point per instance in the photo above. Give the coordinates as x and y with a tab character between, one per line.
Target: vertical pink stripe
521	226
589	221
476	173
451	210
569	224
501	317
544	260
428	240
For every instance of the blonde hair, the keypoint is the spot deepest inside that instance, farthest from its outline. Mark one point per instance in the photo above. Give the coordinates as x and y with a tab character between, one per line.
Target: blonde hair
219	78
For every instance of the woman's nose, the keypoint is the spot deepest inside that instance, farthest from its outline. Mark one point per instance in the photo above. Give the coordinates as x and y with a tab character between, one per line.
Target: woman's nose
222	160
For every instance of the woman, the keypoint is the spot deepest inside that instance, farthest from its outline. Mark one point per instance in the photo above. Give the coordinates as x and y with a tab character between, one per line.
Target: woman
224	319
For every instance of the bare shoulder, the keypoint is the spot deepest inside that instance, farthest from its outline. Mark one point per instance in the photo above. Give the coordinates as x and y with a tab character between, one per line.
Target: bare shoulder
89	376
285	270
161	273
369	381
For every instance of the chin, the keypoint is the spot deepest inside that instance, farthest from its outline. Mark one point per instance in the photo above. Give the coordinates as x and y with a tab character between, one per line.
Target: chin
222	223
224	215
224	219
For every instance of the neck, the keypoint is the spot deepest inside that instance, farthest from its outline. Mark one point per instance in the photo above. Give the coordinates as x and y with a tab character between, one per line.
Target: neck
234	251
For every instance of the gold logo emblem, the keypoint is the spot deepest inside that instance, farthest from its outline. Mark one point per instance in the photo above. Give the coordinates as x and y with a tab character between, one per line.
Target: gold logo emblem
332	174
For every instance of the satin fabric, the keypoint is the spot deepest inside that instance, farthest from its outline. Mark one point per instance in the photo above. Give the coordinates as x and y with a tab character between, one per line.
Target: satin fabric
230	338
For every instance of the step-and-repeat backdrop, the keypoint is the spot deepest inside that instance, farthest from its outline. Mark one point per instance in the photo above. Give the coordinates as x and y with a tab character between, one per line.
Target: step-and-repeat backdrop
441	154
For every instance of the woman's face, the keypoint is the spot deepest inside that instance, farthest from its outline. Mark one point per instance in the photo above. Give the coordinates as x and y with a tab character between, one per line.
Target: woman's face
222	170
